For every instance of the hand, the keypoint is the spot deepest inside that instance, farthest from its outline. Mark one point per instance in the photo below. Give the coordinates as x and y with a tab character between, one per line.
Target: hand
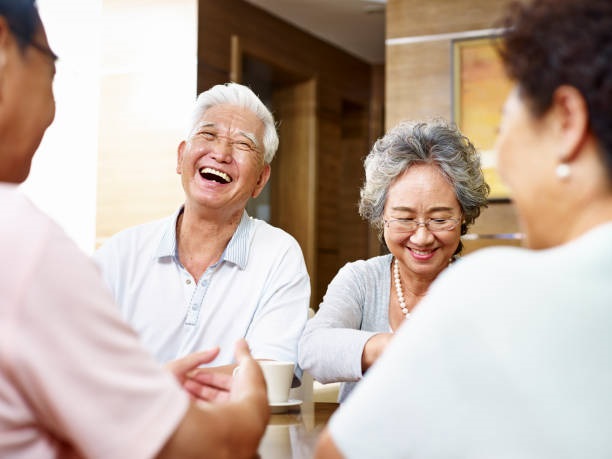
248	377
373	348
202	385
231	429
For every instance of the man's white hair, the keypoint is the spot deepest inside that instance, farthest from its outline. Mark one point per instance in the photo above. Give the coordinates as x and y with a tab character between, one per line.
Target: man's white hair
240	96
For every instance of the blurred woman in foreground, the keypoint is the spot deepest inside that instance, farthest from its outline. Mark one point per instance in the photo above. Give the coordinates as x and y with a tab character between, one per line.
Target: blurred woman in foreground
522	367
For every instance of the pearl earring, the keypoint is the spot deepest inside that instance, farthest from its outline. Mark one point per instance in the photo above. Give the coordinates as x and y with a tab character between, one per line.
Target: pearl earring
563	171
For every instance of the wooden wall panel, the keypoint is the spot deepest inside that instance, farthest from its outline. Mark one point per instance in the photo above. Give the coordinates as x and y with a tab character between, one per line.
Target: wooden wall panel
498	218
267	37
418	82
406	18
419	76
352	230
329	172
330	181
377	128
293	193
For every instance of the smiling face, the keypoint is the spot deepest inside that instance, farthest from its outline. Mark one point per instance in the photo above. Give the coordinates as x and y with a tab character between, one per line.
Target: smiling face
221	163
27	103
421	193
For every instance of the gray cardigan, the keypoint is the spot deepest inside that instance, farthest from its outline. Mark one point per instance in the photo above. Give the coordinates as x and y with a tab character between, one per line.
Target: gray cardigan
355	307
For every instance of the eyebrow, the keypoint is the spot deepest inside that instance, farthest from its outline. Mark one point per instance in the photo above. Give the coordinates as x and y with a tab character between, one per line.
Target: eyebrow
432	209
248	135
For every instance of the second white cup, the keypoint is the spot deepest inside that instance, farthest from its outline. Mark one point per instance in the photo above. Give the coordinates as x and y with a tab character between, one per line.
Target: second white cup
279	376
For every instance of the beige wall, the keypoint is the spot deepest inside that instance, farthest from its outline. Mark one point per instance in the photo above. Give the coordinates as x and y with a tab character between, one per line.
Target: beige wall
419	74
147	87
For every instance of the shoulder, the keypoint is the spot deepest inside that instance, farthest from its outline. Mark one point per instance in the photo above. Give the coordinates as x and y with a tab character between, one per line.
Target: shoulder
265	229
476	282
375	267
22	224
489	262
16	207
136	237
365	274
271	236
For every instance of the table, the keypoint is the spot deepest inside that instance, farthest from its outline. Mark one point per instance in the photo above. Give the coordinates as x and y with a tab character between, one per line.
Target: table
293	435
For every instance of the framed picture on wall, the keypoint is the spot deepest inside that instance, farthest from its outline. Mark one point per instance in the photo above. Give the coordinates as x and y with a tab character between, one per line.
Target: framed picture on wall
480	87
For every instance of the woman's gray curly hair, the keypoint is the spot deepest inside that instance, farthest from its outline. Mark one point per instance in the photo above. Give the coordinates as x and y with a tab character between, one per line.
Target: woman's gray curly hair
433	142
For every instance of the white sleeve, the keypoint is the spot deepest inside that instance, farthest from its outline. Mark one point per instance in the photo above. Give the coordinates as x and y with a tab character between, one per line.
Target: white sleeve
279	321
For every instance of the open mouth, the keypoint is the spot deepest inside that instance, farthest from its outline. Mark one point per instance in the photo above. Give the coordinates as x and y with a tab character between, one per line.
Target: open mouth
209	173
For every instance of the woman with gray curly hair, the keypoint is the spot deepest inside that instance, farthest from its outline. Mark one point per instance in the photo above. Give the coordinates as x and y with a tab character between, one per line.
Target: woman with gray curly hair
424	187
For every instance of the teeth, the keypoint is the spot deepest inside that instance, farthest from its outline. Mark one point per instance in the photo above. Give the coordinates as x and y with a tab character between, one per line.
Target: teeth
421	252
223	175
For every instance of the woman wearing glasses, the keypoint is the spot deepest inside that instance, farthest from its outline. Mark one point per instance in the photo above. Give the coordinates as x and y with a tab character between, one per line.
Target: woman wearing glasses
423	188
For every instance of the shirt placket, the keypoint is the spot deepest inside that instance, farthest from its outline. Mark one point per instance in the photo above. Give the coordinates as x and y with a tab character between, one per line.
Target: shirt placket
197	297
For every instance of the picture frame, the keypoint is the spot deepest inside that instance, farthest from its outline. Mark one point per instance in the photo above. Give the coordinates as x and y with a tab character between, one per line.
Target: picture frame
479	89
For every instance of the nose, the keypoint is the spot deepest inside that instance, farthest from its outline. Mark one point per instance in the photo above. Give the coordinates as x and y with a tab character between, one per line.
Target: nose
221	150
422	236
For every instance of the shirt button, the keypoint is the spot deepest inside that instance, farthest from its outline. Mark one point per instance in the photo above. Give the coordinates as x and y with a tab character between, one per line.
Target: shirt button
188	281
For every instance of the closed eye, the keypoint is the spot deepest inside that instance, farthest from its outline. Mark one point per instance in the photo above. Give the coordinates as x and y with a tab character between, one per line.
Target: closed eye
244	146
207	135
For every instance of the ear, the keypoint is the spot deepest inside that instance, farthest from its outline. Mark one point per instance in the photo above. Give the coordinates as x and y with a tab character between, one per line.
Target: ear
5	33
179	158
572	121
264	176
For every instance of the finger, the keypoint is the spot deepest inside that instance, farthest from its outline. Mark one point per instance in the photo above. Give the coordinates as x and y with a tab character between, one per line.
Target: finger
206	393
218	380
249	377
242	351
193	360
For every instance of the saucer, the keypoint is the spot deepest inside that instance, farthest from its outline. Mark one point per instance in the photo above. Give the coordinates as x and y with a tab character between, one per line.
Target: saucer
282	407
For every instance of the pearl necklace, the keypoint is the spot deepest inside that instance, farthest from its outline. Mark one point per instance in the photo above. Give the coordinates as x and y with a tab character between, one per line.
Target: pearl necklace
398	289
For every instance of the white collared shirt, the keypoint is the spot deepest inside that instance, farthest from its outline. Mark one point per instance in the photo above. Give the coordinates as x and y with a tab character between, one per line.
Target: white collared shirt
258	290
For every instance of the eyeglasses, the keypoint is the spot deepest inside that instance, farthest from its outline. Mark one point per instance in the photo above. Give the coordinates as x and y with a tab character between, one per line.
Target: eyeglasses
410	225
44	50
242	144
37	46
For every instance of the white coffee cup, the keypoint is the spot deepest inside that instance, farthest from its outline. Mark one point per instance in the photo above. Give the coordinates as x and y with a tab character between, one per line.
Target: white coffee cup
278	377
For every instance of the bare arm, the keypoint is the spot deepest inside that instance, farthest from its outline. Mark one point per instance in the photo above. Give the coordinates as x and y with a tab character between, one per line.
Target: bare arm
223	430
373	348
326	448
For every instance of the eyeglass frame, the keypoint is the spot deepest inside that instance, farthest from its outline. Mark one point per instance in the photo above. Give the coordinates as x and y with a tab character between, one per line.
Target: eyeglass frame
46	50
425	224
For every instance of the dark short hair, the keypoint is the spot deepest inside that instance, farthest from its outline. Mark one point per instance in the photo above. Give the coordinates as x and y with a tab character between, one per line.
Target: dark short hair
22	18
549	43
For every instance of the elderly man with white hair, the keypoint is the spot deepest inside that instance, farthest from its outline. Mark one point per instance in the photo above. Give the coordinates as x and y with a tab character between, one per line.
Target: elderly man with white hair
210	273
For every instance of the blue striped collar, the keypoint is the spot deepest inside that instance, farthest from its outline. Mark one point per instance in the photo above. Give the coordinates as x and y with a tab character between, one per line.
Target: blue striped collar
237	250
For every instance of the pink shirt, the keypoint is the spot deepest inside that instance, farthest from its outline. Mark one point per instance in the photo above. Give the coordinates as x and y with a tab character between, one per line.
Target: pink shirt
74	381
